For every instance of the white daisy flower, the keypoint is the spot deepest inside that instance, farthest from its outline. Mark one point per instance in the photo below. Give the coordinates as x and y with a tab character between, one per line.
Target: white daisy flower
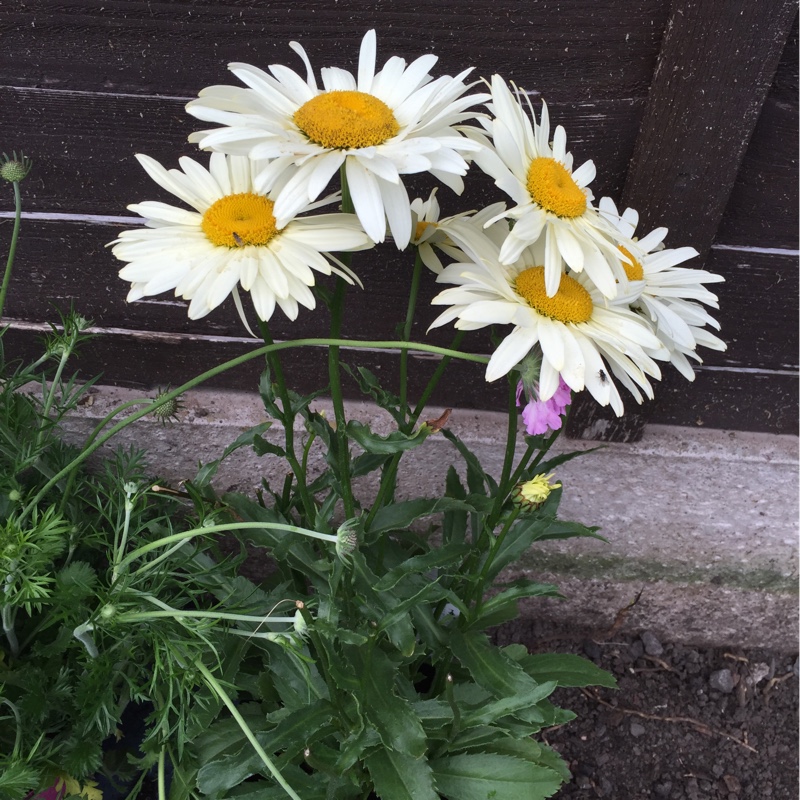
231	238
579	337
666	295
379	125
461	236
553	201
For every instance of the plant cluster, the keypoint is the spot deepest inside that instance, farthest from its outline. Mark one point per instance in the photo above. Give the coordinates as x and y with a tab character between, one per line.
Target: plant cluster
360	666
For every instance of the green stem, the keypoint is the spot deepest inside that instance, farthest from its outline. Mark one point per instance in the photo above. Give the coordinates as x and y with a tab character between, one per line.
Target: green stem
12	249
436	377
8	628
412	304
386	488
120	550
511	440
288	426
235	362
215	686
162	783
335	378
48	402
480	587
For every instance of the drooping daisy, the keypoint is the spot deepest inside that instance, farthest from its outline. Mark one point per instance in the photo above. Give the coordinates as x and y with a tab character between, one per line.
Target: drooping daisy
461	236
553	201
380	126
666	295
579	337
231	238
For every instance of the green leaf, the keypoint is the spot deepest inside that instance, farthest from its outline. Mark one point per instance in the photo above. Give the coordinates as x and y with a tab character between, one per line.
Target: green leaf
519	539
369	385
509	705
398	726
562	529
566	669
207	471
398	776
399	516
366	463
548	466
502	607
395	442
498	777
422	564
261	447
477	478
489	666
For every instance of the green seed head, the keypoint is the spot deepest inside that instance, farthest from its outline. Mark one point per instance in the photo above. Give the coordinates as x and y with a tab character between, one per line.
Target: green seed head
16	168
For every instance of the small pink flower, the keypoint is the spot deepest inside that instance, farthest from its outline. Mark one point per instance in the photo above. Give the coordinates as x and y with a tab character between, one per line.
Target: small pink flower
541	416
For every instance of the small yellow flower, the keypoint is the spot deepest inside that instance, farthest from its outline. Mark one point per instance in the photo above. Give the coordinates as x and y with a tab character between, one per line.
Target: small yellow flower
531	494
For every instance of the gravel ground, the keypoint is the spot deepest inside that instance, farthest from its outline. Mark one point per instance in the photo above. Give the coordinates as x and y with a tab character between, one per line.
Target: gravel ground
684	724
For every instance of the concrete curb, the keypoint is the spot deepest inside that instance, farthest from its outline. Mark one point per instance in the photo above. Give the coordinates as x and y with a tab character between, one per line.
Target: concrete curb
704	521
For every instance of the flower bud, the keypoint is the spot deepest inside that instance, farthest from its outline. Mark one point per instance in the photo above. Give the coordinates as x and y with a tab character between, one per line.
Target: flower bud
15	169
530	495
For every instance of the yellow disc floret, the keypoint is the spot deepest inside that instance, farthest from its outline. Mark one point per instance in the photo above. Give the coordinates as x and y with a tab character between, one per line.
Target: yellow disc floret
346	120
551	186
571	303
237	220
633	270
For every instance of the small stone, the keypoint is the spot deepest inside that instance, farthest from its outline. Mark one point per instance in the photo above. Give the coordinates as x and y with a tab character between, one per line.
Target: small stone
722	681
662	789
583	782
592	649
635	650
732	783
758	672
651	644
637	730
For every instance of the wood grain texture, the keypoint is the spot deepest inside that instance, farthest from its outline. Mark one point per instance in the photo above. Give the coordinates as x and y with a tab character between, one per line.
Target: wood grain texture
83	146
716	66
763	206
581	50
63	263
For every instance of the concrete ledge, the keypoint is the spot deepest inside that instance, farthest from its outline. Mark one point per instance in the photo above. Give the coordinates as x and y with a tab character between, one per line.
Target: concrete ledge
704	520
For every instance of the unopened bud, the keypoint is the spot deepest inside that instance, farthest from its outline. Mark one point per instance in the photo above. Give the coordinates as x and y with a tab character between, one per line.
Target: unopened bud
15	169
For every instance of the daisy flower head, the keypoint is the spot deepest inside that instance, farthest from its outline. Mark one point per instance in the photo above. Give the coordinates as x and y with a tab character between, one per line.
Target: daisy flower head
378	125
552	199
231	238
578	338
669	297
461	237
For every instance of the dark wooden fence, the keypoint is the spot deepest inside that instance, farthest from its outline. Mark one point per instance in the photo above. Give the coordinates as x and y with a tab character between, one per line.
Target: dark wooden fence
689	110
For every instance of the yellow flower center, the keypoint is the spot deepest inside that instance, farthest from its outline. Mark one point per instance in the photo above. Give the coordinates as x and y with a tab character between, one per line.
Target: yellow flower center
237	220
551	186
345	120
533	493
422	226
571	303
633	270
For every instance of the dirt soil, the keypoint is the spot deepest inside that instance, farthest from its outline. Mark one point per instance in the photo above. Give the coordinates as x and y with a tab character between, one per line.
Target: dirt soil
684	724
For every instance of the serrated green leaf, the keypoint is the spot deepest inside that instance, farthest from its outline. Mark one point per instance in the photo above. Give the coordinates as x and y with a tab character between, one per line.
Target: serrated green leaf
399	516
477	478
261	447
393	717
503	606
434	559
489	666
398	776
395	442
509	706
499	777
566	669
562	529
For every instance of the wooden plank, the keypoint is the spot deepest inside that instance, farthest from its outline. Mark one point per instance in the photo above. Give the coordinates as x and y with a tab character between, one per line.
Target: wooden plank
63	263
719	398
763	207
584	50
688	152
98	175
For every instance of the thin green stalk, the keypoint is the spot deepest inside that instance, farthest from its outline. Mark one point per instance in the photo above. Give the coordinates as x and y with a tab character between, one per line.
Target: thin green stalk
8	628
48	402
288	426
480	587
511	440
386	488
412	304
12	248
215	686
162	783
176	613
436	377
232	363
228	526
119	549
335	378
